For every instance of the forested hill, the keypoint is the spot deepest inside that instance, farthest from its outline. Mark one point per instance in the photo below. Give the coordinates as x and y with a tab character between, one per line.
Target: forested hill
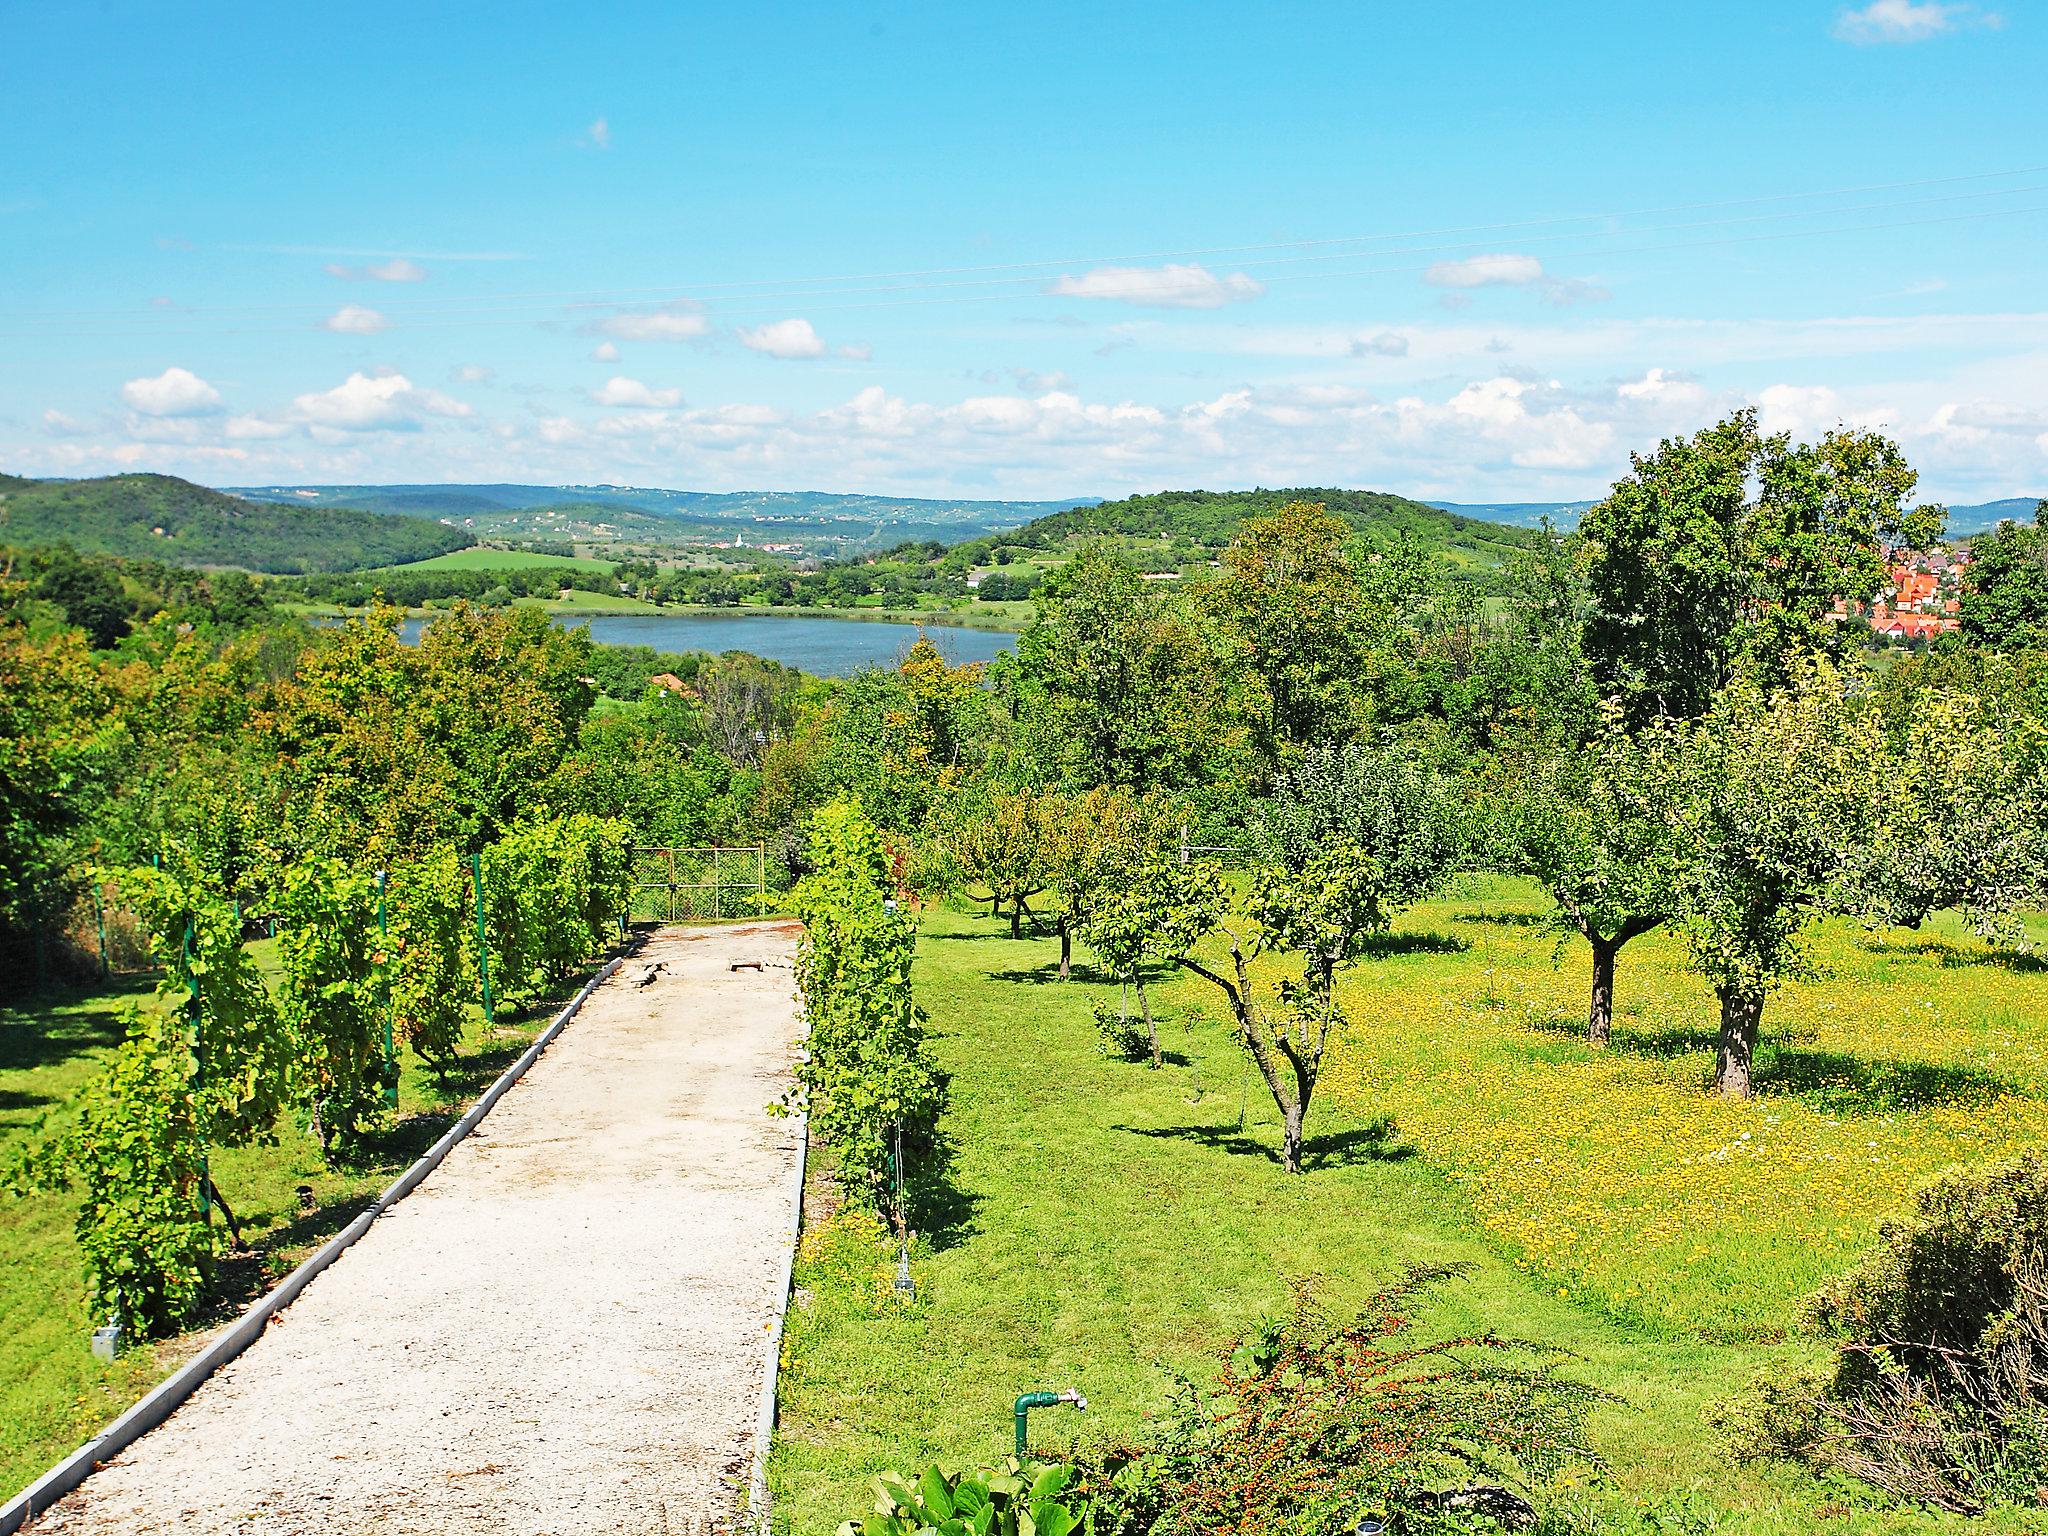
160	517
1208	519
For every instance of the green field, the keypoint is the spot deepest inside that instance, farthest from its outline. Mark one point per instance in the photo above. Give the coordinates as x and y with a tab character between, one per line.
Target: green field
479	559
1103	1224
53	1393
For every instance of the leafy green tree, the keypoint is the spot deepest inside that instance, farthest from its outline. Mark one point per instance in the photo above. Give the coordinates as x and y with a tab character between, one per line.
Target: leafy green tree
1292	597
1965	817
1778	792
998	846
1096	841
1378	798
1597	828
1118	684
2005	597
1731	546
58	742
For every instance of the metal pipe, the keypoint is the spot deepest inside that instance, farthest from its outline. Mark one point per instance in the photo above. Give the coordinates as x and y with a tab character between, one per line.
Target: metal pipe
1030	1400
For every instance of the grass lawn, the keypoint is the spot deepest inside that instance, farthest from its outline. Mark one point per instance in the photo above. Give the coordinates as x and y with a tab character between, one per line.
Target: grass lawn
1103	1224
53	1393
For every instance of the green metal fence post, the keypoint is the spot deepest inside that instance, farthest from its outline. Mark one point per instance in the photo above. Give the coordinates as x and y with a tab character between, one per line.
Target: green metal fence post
483	941
384	945
99	917
199	1084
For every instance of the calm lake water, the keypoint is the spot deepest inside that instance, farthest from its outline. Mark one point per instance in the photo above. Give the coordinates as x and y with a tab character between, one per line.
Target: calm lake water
821	646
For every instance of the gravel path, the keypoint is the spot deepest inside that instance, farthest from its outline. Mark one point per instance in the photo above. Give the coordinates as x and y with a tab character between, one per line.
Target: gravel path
562	1331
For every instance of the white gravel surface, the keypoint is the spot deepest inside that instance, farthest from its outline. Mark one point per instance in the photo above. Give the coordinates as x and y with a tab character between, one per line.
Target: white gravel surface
562	1331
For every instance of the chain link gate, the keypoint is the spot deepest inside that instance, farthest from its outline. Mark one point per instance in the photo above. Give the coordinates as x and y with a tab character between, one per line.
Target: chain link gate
673	885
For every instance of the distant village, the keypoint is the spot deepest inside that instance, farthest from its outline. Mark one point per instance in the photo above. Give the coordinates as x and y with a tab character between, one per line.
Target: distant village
1925	598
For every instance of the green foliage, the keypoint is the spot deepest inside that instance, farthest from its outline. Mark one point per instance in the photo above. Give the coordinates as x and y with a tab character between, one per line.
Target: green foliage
864	1072
1019	1498
159	517
58	742
1378	798
138	1152
1728	548
243	1074
1778	793
1938	1392
331	1001
429	960
554	892
2005	602
1314	1423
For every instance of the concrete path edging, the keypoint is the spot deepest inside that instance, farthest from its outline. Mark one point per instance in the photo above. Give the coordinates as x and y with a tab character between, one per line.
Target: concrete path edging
758	1505
165	1398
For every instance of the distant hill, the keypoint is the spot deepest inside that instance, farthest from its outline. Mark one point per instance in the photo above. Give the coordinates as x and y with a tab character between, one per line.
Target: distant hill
1206	520
823	523
1519	514
1983	516
160	517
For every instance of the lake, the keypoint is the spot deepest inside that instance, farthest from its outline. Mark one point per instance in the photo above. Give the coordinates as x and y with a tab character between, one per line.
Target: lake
825	647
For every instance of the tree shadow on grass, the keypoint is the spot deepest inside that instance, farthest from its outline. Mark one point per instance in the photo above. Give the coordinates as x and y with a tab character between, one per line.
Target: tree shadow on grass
1950	955
1503	919
1386	946
1834	1082
1373	1143
33	1033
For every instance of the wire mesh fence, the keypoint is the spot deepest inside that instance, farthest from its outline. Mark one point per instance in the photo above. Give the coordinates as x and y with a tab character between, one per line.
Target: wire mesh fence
678	885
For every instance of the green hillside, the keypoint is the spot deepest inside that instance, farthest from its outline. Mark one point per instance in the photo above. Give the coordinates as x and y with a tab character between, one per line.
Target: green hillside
1203	521
160	517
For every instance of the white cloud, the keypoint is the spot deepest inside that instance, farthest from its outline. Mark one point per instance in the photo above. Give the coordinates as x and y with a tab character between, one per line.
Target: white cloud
598	135
1484	272
400	269
472	373
1660	386
57	424
682	320
631	392
605	352
1385	344
355	320
861	353
792	338
365	402
174	392
1173	286
1910	21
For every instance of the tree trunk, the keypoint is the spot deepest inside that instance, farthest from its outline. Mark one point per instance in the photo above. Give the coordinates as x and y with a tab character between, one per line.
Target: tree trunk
1600	1015
1066	945
1017	917
1740	1018
1145	1007
1290	1136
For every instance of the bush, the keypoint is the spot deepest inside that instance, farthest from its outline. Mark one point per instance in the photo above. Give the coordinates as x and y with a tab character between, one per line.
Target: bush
428	955
1938	1392
1015	1499
554	892
864	1071
1314	1423
1118	1034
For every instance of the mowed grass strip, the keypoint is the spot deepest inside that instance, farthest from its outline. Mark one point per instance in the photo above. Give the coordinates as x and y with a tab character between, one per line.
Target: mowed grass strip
53	1393
1104	1226
481	559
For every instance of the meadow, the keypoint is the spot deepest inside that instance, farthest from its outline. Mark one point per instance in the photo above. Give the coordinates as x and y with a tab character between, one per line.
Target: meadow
481	559
1103	1226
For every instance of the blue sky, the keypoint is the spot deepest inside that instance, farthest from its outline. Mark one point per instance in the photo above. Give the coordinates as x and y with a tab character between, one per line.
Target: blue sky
1468	251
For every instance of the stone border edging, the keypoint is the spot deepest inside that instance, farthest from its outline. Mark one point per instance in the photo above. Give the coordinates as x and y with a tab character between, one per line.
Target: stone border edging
758	1514
164	1399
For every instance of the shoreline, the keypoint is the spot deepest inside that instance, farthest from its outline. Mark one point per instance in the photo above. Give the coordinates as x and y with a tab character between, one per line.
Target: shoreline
995	623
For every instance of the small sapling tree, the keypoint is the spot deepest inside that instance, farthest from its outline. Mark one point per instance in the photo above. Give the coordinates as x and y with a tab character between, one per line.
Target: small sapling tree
1597	829
1096	842
1161	912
